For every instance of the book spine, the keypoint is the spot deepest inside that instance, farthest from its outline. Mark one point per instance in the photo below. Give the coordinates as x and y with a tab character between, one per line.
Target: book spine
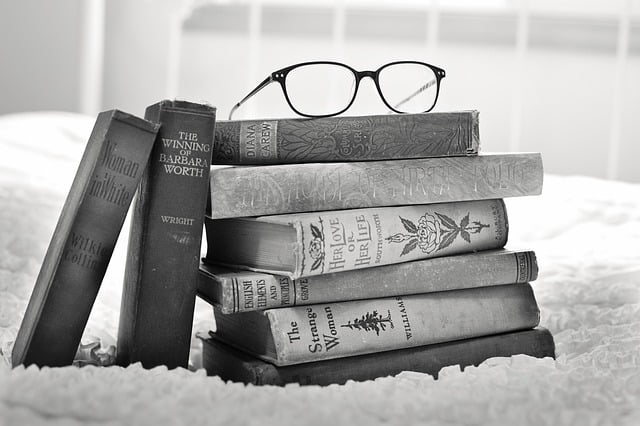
245	291
265	190
165	239
326	331
249	291
83	240
356	239
429	359
378	137
222	360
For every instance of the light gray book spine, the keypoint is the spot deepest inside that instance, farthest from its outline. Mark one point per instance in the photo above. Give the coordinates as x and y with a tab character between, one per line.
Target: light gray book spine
291	188
325	331
242	291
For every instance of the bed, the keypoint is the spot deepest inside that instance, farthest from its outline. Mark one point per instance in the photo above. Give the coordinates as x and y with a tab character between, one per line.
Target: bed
586	233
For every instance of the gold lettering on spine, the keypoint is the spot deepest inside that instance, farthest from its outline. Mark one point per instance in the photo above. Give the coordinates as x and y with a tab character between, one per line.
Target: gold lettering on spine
261	292
108	188
180	155
406	324
312	318
351	185
336	186
117	163
107	183
174	220
258	140
247	294
85	252
285	291
499	175
332	339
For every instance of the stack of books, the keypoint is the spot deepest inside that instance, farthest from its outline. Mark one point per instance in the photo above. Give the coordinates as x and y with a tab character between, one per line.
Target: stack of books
343	248
351	248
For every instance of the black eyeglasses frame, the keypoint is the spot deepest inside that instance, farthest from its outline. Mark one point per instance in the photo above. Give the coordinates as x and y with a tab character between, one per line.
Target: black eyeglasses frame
280	76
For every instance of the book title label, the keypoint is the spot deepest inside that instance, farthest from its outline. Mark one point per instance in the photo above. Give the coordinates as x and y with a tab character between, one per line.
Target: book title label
114	176
331	330
259	140
355	185
253	291
345	240
324	331
340	138
86	252
184	155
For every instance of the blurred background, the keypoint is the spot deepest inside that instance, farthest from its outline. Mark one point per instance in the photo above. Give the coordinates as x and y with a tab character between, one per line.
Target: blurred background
558	77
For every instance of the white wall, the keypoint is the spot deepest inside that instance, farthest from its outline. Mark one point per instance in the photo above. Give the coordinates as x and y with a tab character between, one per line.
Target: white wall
40	54
136	63
556	77
560	81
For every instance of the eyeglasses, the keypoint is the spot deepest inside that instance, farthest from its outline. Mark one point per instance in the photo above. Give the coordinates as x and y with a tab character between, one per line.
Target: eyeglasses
325	88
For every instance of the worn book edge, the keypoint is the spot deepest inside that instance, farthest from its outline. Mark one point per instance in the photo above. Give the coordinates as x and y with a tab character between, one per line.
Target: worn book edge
235	365
235	290
267	337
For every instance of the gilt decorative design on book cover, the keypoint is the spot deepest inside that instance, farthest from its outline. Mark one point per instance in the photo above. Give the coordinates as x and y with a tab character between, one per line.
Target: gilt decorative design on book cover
326	331
376	137
333	242
290	188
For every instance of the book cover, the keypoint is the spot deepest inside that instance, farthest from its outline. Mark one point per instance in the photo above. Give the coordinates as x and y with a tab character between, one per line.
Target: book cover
240	291
83	240
165	238
306	244
299	334
292	188
230	364
343	138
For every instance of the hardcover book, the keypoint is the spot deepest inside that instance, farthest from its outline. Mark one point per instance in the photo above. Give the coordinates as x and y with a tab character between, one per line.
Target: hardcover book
292	188
341	138
220	359
165	238
299	334
240	291
83	240
306	244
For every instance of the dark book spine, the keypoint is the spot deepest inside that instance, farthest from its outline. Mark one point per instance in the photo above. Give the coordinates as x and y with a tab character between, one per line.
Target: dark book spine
164	242
377	137
84	239
220	359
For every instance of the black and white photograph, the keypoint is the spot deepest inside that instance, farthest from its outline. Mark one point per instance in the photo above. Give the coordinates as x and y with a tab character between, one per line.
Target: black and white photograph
336	212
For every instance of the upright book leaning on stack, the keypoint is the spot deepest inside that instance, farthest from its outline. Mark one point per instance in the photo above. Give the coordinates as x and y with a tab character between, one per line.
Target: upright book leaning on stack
76	261
159	289
354	234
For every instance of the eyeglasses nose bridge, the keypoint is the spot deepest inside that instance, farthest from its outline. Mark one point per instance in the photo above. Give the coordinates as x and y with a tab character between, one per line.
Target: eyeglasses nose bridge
362	74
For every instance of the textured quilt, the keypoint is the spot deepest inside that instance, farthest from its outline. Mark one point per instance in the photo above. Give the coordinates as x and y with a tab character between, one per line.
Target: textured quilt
585	231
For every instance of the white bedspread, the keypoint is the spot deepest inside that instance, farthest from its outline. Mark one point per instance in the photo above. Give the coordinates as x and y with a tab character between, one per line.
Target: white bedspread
586	233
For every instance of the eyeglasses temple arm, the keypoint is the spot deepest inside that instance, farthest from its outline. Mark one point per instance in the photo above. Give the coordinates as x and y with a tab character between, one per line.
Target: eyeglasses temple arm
260	86
416	93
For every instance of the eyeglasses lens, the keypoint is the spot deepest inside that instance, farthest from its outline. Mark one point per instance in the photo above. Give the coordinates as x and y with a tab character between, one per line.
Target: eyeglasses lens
320	89
408	87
